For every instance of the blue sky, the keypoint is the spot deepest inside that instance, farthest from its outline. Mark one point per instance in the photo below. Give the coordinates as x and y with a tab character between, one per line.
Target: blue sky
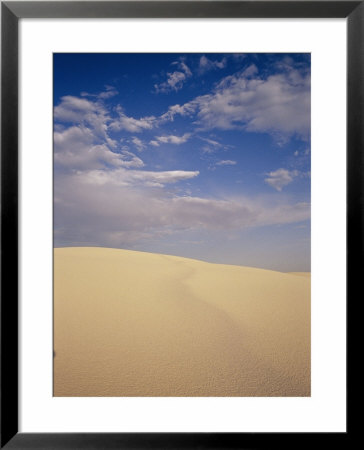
199	155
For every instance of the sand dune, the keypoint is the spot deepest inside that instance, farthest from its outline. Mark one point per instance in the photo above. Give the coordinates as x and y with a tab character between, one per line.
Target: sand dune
130	323
301	274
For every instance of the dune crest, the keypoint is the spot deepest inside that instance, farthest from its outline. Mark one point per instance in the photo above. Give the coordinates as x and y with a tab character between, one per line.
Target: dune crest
129	323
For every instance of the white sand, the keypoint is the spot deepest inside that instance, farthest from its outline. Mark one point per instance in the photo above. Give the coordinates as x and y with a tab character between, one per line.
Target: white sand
130	323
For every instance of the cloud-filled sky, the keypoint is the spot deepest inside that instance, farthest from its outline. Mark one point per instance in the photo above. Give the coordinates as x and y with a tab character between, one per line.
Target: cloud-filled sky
199	155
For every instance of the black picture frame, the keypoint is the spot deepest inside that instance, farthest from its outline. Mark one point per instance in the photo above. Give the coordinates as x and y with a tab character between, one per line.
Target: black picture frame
11	12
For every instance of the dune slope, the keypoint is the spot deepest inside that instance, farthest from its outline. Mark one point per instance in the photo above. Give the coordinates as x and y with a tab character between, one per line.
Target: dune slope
130	323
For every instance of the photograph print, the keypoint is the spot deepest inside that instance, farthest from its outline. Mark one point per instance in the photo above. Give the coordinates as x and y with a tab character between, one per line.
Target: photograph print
182	231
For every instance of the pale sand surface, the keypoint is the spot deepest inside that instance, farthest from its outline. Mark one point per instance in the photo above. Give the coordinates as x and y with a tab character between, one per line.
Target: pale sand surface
129	323
301	274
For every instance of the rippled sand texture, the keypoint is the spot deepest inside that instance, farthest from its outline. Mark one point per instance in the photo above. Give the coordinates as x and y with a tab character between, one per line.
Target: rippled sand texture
130	323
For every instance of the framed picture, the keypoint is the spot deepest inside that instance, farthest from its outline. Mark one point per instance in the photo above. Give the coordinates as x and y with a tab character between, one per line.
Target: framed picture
172	173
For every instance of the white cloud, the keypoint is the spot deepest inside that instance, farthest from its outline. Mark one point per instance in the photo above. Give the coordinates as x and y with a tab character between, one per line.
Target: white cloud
94	113
72	109
110	92
206	64
278	104
139	144
86	144
99	208
275	105
238	57
128	159
175	80
123	122
82	111
212	147
77	148
183	66
250	71
123	177
208	150
96	158
226	162
188	109
280	178
212	142
170	139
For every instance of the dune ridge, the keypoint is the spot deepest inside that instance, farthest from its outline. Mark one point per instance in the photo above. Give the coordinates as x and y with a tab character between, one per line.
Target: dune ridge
130	323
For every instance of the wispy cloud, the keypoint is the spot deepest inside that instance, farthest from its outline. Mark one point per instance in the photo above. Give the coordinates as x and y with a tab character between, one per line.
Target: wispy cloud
170	139
206	64
122	177
212	146
78	148
110	209
74	109
278	104
175	80
138	143
186	110
123	122
280	178
108	93
212	142
226	162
